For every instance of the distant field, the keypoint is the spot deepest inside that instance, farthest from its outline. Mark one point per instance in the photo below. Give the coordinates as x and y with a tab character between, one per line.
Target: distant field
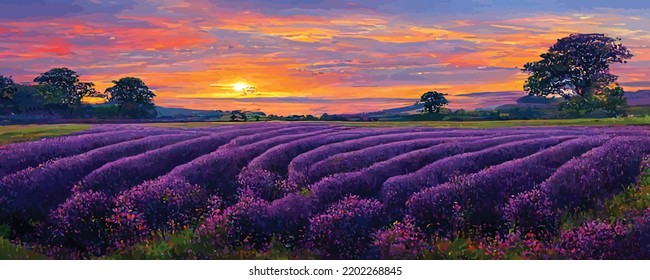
508	123
20	133
448	124
191	124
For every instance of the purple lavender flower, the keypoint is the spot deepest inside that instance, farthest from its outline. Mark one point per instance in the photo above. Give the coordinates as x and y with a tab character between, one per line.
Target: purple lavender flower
532	211
246	224
585	181
303	168
593	240
396	190
482	194
345	230
80	223
402	241
367	182
32	192
166	204
19	156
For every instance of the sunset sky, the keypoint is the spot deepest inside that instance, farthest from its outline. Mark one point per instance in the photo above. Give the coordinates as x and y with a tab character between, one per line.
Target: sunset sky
310	56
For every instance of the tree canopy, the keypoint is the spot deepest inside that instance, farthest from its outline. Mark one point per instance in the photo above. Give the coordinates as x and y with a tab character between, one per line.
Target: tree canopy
132	96
433	101
577	69
62	86
130	90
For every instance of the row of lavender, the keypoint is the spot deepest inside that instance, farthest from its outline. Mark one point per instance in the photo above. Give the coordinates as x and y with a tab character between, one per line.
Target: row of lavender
574	174
319	187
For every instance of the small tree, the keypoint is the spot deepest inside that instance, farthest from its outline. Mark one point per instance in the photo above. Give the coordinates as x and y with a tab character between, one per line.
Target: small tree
133	97
7	90
577	68
433	101
62	86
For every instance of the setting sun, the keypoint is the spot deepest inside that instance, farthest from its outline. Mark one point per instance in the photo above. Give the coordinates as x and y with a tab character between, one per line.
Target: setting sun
240	86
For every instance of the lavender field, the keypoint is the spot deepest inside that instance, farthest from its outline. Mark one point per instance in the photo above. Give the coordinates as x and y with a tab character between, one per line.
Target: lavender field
304	191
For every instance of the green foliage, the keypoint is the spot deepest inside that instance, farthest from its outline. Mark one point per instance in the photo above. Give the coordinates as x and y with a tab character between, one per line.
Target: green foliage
7	88
9	251
130	90
186	244
61	86
328	117
577	68
306	192
324	117
612	100
433	101
133	97
238	116
5	231
107	112
635	199
28	98
173	246
20	133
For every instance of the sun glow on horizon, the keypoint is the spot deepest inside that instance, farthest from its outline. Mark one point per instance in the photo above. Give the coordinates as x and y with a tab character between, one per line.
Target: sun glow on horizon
240	86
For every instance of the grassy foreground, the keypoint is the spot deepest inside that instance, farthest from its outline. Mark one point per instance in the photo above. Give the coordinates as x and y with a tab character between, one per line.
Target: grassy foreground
21	133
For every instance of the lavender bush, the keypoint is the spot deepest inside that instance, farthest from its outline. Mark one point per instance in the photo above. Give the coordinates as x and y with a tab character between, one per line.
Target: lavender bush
31	193
305	163
19	156
481	194
255	190
368	182
345	230
396	190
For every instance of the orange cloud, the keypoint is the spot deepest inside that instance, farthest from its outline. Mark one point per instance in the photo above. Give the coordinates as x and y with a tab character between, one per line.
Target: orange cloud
182	48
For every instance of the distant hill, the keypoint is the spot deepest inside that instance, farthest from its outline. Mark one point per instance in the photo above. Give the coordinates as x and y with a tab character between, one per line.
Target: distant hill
505	100
165	112
487	100
528	99
638	98
634	98
415	108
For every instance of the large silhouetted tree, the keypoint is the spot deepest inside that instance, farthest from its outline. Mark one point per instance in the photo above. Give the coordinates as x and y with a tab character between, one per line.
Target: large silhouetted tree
577	68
